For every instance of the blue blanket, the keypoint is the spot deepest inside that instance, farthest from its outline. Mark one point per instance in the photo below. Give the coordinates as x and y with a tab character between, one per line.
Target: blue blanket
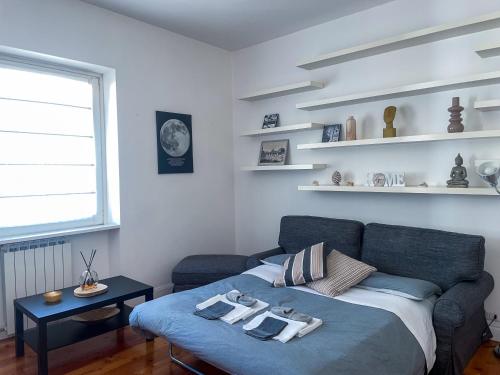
353	339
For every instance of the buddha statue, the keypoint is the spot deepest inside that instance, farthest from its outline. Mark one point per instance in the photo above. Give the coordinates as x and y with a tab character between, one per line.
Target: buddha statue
458	174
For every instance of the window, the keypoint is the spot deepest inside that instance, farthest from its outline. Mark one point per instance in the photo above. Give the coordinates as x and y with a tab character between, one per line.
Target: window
51	158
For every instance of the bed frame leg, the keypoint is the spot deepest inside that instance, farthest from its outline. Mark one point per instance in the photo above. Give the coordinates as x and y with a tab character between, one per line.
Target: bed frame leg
180	363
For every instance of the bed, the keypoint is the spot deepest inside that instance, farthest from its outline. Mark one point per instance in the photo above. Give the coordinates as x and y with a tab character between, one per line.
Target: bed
363	331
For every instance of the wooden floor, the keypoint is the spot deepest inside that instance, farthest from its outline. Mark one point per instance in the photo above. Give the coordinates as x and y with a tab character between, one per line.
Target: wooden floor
484	362
125	352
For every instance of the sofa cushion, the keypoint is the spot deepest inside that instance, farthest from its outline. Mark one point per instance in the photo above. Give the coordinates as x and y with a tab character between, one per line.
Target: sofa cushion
306	266
299	232
344	272
275	260
206	269
444	258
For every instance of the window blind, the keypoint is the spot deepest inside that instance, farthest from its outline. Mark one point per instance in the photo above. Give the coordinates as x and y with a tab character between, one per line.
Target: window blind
50	172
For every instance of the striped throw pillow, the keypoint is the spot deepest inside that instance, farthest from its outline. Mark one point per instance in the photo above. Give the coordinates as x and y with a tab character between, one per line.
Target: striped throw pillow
304	267
343	272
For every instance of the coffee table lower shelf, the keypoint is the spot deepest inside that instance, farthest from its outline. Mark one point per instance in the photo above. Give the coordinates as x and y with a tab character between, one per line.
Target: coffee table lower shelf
67	332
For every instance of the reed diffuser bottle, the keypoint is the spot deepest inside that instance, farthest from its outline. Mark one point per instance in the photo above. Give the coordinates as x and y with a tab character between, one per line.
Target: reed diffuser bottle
89	278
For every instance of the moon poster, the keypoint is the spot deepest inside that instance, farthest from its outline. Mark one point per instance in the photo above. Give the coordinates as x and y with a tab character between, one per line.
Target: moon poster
174	143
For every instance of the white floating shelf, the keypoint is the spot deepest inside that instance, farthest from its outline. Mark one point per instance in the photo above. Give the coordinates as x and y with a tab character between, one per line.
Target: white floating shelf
402	91
414	38
284	129
284	90
290	167
442	190
490	50
487	105
406	139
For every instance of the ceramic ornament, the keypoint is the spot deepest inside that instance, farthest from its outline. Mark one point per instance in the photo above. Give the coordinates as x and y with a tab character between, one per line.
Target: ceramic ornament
388	179
336	178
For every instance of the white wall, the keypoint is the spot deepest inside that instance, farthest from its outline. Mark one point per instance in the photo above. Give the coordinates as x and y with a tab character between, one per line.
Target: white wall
163	217
262	198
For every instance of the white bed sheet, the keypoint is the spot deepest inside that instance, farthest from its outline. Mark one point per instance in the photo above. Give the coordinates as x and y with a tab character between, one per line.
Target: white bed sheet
416	315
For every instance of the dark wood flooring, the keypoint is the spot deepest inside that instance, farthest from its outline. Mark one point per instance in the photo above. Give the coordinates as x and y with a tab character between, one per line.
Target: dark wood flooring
124	352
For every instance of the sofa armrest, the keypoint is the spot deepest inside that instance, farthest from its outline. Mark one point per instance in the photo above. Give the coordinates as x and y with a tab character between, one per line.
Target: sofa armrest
459	303
254	260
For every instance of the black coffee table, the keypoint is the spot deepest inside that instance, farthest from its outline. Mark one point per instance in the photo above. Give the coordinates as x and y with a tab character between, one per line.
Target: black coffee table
66	332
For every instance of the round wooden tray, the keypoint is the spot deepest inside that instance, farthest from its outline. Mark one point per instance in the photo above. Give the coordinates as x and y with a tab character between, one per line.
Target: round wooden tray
100	289
96	316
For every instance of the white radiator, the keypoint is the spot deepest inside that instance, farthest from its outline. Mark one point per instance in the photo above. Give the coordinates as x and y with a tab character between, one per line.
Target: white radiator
31	268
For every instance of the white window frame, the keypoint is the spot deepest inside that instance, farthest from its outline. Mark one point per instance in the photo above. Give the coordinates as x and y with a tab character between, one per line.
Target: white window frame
96	80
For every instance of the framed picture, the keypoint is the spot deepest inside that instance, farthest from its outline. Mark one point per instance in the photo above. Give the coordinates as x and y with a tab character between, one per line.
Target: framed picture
174	142
332	133
273	152
271	121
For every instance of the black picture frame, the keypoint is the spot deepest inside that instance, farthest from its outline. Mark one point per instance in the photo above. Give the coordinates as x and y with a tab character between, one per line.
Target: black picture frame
174	142
273	152
332	133
271	121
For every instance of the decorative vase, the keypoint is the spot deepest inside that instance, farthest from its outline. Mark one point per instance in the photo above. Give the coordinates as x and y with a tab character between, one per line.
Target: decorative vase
350	129
456	125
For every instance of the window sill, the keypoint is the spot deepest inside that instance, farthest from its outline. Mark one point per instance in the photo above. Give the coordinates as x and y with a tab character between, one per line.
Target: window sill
58	233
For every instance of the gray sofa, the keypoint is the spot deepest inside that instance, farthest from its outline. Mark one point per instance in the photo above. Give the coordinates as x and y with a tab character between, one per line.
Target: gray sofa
198	270
453	261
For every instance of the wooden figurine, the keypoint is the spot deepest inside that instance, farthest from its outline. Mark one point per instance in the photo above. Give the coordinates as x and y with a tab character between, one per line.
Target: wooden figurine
389	115
456	125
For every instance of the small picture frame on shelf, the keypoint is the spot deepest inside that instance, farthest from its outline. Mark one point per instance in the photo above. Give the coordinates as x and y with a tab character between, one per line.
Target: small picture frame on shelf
332	133
273	152
271	121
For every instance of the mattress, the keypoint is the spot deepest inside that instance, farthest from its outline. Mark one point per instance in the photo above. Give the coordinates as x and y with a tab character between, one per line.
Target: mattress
363	331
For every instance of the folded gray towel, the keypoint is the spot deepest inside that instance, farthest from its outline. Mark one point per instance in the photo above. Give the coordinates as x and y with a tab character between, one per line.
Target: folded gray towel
241	298
289	313
269	328
215	311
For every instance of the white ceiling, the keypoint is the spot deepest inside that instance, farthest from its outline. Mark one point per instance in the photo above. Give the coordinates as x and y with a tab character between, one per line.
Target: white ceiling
235	24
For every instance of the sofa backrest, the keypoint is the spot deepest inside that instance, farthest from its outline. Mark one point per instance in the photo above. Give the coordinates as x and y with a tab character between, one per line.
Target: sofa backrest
299	232
444	258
